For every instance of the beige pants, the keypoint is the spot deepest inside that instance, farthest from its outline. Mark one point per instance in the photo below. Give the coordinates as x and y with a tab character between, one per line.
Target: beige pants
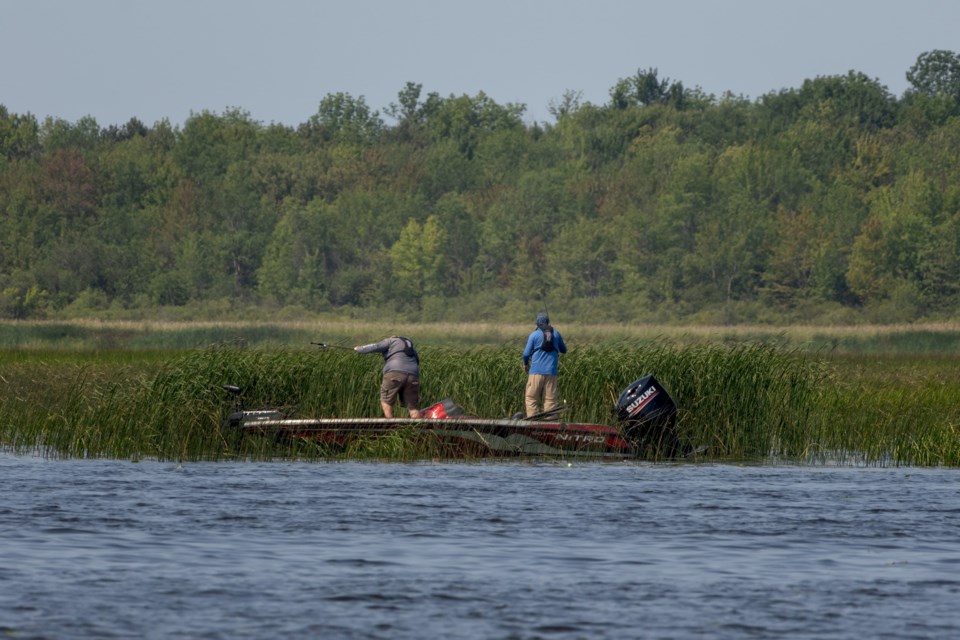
540	386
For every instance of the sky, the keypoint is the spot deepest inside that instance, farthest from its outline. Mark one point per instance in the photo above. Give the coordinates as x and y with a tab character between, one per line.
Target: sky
164	59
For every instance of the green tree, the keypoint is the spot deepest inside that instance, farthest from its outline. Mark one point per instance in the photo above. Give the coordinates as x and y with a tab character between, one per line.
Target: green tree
644	88
938	263
567	105
888	249
409	109
210	143
465	120
460	230
19	135
841	212
790	267
582	258
21	298
343	119
418	263
732	233
291	269
69	188
658	240
936	73
79	137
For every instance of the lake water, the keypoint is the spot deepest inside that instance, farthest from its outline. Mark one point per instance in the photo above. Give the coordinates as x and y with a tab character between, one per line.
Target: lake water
114	549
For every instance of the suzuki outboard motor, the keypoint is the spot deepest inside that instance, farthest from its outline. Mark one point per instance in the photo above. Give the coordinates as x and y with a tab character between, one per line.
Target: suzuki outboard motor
648	414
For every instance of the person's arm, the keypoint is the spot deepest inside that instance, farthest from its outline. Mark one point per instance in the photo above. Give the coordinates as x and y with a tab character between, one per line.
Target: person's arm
561	345
373	347
527	352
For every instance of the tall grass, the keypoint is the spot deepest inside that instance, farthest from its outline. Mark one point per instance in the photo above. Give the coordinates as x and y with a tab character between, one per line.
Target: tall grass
85	335
745	402
890	409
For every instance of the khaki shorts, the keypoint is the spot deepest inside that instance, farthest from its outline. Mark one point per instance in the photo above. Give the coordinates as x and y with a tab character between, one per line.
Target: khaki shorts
406	385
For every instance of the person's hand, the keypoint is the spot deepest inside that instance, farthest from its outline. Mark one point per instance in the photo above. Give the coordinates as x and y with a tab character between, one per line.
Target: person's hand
526	368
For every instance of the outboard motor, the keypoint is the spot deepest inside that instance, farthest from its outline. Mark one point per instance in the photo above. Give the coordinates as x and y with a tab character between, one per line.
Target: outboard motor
648	415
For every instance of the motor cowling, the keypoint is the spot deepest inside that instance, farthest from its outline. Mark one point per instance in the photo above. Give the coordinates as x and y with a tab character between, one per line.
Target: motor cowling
648	414
444	409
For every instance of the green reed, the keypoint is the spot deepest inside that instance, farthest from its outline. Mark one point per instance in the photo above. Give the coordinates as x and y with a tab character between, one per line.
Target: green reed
744	402
889	410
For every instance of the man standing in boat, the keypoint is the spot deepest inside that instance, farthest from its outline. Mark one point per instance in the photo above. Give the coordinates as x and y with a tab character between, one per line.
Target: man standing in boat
401	373
541	358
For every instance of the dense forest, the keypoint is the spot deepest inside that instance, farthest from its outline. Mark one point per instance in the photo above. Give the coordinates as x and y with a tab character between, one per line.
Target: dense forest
832	202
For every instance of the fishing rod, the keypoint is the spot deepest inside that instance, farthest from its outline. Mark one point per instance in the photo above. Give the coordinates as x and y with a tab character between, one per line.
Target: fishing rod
543	415
543	297
324	345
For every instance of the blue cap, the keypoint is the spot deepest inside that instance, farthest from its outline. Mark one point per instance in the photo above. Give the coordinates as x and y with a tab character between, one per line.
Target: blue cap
542	320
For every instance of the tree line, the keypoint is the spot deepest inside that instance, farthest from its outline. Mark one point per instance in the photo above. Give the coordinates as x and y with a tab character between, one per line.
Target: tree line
834	201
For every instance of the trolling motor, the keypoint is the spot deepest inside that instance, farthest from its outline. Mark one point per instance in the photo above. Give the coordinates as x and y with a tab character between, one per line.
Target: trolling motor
648	415
239	417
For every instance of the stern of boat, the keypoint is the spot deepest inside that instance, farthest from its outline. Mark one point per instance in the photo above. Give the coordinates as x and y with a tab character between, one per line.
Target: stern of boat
647	414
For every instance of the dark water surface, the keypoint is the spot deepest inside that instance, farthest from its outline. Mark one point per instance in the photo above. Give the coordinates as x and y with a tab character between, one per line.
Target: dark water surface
104	549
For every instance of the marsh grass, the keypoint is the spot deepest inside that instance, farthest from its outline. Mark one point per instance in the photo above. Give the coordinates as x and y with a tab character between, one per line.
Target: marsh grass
890	408
95	335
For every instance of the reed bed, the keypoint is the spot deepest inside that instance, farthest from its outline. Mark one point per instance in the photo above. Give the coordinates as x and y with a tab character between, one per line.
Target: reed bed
744	402
152	335
890	409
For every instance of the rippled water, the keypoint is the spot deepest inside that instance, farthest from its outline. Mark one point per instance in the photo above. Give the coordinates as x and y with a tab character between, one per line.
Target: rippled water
100	549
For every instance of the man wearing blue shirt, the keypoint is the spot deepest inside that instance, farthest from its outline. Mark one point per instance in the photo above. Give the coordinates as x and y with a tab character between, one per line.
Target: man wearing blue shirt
540	360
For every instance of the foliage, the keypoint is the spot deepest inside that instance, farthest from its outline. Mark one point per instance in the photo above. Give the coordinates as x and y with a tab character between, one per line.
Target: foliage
937	73
665	203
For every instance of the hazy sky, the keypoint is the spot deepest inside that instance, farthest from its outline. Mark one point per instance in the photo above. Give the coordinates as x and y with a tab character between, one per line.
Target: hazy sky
117	59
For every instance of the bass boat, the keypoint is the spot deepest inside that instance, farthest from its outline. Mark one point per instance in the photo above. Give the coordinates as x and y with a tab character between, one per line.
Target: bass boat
645	414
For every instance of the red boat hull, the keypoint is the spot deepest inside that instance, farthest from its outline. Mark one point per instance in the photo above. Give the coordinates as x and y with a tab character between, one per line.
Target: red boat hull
463	435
